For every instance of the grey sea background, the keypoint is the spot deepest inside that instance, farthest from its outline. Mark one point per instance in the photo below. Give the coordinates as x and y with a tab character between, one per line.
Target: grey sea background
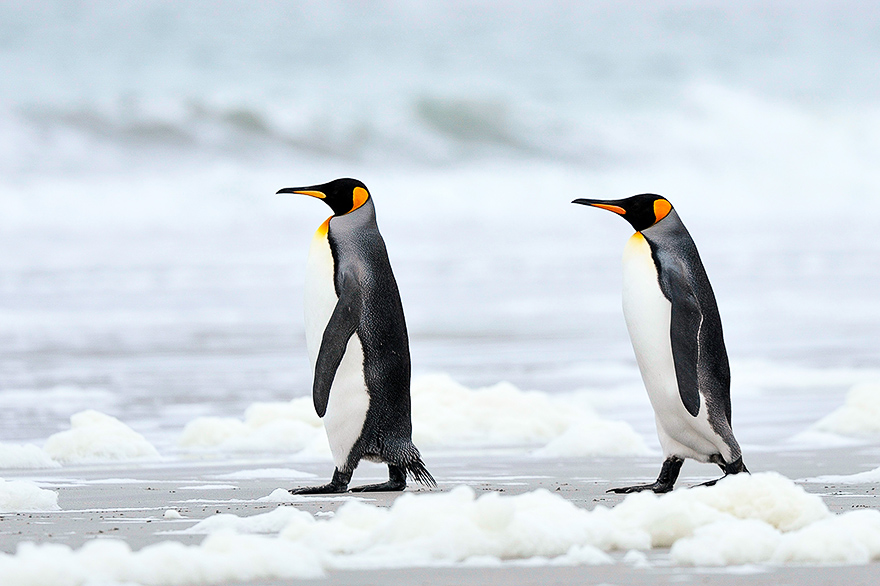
148	271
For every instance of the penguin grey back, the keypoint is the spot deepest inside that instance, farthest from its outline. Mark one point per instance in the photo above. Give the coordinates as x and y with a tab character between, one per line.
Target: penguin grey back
701	364
363	270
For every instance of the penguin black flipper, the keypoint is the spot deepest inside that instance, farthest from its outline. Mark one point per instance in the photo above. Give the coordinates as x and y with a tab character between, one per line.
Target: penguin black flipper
342	325
684	332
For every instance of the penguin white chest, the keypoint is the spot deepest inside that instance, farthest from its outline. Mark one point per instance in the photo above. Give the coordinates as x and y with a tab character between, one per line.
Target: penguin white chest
648	316
349	400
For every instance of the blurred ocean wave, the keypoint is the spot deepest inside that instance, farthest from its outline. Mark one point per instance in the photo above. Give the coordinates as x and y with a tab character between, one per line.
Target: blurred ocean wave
143	251
595	84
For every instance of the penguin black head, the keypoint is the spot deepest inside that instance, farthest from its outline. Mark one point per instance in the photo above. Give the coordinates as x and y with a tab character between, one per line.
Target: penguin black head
342	195
642	211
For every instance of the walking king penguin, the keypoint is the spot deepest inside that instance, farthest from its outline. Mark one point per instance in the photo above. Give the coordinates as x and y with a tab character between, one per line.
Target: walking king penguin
675	329
357	342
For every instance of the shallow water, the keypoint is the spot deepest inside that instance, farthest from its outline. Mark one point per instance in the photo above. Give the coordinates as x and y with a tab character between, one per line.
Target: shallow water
147	270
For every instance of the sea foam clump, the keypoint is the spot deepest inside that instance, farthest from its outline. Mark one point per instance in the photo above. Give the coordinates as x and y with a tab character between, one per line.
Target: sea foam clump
269	427
859	415
869	476
94	436
25	456
271	522
457	526
221	558
744	519
21	495
448	413
445	414
759	518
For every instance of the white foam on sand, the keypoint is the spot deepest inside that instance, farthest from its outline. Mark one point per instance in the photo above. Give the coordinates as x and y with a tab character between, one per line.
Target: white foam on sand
595	437
745	519
859	416
22	496
25	456
271	522
96	437
869	476
267	427
282	495
452	527
445	414
222	557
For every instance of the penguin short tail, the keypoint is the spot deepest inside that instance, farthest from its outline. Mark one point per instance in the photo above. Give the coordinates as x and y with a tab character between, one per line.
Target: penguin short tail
418	472
405	454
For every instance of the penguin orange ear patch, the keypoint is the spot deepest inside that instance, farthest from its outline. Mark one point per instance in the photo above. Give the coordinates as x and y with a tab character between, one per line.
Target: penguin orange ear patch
661	209
359	197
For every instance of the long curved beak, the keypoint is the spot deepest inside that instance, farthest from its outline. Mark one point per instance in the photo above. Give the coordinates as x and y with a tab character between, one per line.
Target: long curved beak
605	204
302	191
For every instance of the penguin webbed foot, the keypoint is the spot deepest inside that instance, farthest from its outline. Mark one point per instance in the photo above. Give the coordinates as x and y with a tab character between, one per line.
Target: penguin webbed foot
338	484
389	486
657	487
664	483
328	488
396	482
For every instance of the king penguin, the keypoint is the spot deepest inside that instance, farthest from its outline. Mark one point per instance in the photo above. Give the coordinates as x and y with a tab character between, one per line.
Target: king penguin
357	342
675	329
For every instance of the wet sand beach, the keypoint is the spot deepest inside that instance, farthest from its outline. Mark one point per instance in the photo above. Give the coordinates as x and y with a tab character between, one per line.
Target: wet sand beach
129	502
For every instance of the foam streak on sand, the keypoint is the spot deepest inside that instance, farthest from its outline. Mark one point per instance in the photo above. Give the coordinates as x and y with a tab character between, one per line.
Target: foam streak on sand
762	518
25	456
96	437
22	495
445	414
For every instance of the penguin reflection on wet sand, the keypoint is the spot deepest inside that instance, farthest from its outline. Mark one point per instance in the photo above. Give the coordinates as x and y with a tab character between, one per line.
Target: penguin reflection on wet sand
357	342
675	329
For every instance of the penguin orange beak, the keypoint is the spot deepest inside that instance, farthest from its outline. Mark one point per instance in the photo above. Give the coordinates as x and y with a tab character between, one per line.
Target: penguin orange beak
597	203
302	191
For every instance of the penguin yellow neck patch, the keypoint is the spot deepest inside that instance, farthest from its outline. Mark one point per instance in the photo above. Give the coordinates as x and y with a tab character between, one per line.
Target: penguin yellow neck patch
323	228
359	198
661	209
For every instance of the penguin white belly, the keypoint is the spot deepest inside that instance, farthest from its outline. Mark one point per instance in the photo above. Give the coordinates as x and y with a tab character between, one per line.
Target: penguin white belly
348	402
648	317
